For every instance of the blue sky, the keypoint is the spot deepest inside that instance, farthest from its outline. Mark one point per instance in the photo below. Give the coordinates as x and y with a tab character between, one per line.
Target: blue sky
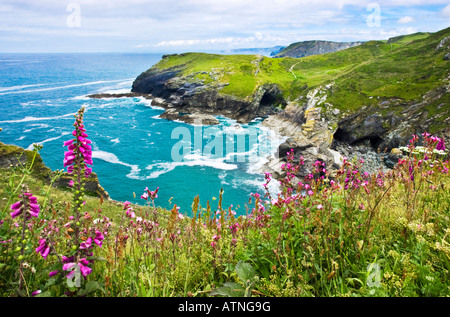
206	25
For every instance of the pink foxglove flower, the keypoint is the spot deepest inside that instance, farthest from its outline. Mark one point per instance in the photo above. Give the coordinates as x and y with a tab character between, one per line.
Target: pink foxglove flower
43	248
79	149
98	238
82	264
86	244
36	292
28	202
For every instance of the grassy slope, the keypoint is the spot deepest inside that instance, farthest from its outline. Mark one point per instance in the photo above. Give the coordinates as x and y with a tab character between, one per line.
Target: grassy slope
403	67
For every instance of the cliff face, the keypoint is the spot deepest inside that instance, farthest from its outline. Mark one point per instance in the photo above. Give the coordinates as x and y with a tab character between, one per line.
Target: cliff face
308	48
180	94
11	155
368	98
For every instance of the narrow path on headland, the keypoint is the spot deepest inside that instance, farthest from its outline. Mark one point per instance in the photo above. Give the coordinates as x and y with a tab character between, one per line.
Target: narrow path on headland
290	69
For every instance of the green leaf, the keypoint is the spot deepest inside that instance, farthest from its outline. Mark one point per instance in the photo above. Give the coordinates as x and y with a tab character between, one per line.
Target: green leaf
50	282
90	287
96	258
245	272
229	289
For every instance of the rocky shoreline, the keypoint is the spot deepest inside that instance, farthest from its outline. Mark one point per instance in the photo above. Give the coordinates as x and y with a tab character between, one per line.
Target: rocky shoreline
311	125
302	128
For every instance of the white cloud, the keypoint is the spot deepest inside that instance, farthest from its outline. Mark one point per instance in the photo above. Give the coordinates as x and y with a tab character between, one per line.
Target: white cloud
446	12
209	24
406	19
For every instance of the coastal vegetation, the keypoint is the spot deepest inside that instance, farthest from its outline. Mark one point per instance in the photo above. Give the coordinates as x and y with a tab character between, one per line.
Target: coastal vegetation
335	229
404	67
356	234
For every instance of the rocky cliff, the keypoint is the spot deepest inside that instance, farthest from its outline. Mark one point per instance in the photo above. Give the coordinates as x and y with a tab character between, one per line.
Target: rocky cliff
365	100
308	48
11	156
181	94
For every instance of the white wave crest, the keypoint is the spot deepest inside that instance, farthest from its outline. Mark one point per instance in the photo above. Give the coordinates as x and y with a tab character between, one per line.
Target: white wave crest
64	87
189	160
28	119
31	146
19	87
112	158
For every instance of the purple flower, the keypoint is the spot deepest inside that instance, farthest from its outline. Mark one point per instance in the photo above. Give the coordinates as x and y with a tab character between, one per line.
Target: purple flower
36	292
43	248
441	145
85	270
148	193
130	213
98	238
144	196
82	264
30	201
78	148
86	244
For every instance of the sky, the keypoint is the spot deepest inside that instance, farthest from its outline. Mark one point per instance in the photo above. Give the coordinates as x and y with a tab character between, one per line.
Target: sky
169	26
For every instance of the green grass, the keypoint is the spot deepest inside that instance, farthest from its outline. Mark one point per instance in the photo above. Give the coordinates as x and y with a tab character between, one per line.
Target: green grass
404	67
388	238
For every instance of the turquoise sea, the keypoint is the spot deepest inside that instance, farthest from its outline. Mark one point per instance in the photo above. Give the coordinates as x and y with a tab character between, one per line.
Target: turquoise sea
132	147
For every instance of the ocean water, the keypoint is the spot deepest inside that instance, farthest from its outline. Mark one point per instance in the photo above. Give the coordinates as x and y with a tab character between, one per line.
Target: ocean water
132	147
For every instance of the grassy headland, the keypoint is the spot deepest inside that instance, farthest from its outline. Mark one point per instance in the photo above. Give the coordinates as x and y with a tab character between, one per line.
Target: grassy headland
403	68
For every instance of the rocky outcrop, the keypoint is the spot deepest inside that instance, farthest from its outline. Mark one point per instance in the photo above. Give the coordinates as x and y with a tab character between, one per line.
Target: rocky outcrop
92	185
308	48
307	133
188	96
11	156
384	129
191	118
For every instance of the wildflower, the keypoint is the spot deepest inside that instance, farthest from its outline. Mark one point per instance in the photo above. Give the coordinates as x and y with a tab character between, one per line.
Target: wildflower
82	265
320	207
29	201
36	292
441	145
148	193
79	150
144	196
126	205
43	248
53	273
86	244
130	213
98	238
